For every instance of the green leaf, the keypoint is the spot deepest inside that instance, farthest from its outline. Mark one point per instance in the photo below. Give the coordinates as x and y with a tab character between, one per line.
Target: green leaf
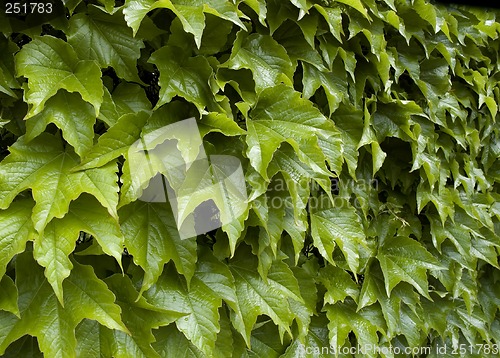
265	341
51	64
211	282
151	236
334	84
427	12
333	17
26	346
8	296
43	317
340	225
130	97
126	98
7	68
356	4
140	317
281	115
259	6
350	123
256	296
200	300
116	141
315	341
404	259
52	248
219	122
185	77
109	39
401	311
92	340
16	228
218	181
191	14
262	55
72	115
304	311
45	167
365	324
298	41
172	343
338	283
224	346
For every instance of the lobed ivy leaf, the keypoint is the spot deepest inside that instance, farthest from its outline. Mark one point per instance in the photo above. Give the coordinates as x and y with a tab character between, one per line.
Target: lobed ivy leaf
219	122
266	58
358	5
200	301
52	248
116	141
298	41
44	166
401	310
338	283
51	64
126	98
316	339
8	80
259	6
281	115
404	259
191	14
8	296
151	236
365	324
110	40
256	296
333	82
185	77
350	123
16	229
71	114
340	225
172	343
212	182
140	318
42	315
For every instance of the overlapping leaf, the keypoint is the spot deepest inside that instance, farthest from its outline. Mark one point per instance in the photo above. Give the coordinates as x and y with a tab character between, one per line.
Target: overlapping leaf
192	14
151	236
281	115
51	64
200	301
256	296
52	248
44	166
185	77
109	40
42	315
404	259
69	113
340	225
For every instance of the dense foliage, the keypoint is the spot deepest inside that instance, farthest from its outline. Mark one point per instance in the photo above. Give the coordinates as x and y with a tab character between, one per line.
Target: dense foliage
368	136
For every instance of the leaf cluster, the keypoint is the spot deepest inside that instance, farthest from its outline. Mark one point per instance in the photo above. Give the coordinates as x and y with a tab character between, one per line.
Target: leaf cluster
368	134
